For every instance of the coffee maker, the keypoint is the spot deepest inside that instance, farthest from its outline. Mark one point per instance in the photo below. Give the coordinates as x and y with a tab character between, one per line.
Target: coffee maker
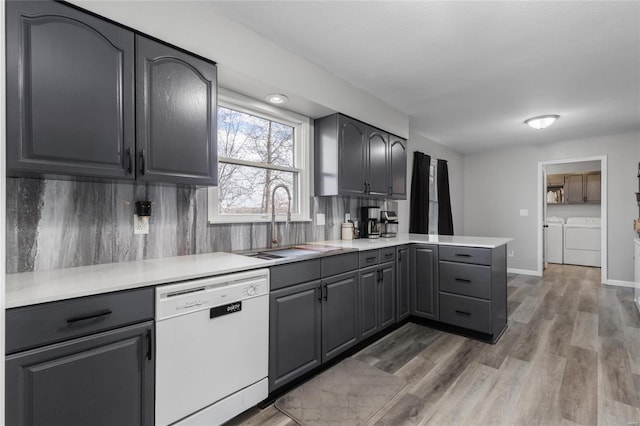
369	224
388	224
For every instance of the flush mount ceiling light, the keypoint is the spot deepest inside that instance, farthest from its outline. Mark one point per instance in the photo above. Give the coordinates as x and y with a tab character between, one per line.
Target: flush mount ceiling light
542	121
276	98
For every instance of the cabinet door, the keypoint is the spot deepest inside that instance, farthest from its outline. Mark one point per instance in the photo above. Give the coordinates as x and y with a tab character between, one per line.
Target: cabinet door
573	189
555	180
70	91
424	285
377	162
592	185
397	168
352	156
104	379
403	274
176	115
294	332
369	289
339	314
387	300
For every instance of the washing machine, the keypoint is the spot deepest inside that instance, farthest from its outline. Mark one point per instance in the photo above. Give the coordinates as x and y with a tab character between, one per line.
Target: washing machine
582	241
555	239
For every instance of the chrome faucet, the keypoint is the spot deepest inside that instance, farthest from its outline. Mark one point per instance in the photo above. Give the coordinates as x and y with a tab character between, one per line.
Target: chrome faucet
274	239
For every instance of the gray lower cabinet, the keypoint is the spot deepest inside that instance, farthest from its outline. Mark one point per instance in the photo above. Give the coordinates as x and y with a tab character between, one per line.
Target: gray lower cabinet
295	332
70	92
473	288
87	361
313	315
176	121
377	287
339	314
424	281
403	279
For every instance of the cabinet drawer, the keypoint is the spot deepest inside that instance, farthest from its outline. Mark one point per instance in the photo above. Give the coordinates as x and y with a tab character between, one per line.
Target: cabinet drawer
294	273
37	325
479	256
368	258
387	254
466	312
334	265
466	279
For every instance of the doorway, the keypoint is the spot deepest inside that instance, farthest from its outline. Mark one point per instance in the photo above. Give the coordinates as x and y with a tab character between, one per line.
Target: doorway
556	200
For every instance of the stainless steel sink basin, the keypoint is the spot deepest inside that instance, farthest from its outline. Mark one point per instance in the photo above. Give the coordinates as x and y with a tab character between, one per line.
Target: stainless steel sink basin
289	252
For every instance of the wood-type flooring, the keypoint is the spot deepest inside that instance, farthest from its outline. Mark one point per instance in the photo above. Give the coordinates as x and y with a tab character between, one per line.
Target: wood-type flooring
570	356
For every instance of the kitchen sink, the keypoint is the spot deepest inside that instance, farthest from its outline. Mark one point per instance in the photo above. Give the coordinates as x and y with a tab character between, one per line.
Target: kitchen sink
290	252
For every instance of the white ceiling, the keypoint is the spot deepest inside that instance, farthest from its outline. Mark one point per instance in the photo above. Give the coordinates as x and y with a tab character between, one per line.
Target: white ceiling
469	73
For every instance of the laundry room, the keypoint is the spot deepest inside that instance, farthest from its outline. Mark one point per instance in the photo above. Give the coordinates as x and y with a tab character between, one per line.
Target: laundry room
573	213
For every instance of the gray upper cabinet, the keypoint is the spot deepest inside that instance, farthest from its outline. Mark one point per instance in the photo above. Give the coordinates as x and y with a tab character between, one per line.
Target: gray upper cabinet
176	115
397	167
573	188
88	98
424	281
582	188
355	159
592	190
377	164
70	93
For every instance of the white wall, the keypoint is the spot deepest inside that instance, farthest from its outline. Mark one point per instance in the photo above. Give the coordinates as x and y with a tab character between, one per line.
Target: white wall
501	182
3	197
245	58
455	162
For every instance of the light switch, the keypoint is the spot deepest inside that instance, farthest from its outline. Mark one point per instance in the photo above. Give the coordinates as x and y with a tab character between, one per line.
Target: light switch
524	212
320	219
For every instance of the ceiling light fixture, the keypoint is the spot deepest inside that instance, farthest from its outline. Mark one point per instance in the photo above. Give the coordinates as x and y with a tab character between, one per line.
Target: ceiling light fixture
276	98
541	122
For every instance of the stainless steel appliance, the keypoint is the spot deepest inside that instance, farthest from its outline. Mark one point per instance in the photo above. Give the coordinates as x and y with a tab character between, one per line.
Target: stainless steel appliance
388	224
370	225
212	339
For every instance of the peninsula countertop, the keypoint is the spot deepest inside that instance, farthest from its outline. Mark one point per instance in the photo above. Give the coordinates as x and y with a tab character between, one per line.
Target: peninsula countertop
30	288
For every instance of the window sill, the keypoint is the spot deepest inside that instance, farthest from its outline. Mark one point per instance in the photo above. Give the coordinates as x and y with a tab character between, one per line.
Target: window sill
241	221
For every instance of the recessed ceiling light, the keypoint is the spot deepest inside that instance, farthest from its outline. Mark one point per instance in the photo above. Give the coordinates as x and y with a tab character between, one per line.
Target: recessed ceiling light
276	98
542	121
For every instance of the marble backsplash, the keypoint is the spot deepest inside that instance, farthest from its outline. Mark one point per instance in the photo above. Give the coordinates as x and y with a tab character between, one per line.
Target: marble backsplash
53	224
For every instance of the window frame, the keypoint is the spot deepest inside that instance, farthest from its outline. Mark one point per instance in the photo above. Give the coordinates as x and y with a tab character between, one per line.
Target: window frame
303	151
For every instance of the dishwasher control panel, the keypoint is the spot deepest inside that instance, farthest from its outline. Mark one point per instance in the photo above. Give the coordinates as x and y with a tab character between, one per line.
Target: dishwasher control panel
224	291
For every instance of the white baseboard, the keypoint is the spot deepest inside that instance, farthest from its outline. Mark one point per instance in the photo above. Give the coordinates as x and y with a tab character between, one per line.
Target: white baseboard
620	283
523	272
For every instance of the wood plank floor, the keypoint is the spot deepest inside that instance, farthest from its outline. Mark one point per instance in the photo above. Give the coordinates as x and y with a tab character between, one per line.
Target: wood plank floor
571	355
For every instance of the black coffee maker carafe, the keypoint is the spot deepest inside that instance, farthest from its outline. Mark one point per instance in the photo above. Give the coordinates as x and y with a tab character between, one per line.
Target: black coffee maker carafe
369	222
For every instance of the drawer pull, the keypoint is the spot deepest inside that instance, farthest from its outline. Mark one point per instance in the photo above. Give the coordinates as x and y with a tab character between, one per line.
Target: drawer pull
463	280
388	255
98	314
370	259
463	313
463	255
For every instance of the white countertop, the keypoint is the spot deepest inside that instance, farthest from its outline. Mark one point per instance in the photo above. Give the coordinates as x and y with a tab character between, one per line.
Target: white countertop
29	288
442	240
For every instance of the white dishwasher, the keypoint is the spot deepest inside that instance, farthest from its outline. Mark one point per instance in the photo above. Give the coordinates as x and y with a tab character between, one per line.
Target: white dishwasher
212	343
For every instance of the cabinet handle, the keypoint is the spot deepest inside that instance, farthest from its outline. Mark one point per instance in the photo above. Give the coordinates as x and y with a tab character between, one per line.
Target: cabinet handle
388	255
142	165
149	345
370	259
319	294
129	161
365	187
391	190
463	313
326	293
463	280
98	314
463	255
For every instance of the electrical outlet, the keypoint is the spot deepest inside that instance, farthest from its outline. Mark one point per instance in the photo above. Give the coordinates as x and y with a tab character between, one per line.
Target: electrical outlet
511	254
320	219
524	212
140	225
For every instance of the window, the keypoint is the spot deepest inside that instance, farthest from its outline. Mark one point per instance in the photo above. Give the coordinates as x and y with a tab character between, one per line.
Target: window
259	148
433	197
